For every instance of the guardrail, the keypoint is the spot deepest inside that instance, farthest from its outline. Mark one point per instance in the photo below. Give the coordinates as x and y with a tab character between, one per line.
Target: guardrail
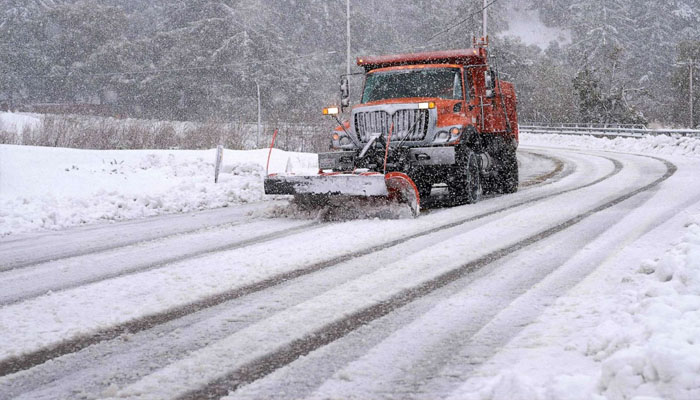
606	132
585	125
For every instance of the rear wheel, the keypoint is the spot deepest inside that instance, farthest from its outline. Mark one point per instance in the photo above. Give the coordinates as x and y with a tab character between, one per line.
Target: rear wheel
466	188
508	174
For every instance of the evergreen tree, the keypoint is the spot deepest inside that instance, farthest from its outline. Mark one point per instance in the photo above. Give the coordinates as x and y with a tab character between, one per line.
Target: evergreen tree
201	59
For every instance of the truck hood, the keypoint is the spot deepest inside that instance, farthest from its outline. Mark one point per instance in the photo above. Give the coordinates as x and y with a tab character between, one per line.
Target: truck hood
445	108
408	100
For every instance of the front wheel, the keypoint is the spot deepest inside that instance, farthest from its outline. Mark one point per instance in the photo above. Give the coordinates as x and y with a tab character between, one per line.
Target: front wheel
424	189
466	188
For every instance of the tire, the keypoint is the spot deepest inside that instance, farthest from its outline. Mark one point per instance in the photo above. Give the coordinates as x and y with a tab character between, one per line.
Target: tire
424	189
490	185
466	188
509	177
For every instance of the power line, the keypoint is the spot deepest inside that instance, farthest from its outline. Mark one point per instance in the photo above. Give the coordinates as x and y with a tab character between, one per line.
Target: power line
184	69
462	21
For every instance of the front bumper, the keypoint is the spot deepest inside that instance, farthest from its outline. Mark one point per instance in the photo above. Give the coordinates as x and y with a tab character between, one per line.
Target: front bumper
426	156
416	156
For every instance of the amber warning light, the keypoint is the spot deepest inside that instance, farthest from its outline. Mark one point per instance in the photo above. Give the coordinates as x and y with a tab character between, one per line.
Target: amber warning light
331	111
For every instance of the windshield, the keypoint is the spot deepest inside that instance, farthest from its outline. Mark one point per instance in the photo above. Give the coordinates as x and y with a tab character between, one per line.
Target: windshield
443	83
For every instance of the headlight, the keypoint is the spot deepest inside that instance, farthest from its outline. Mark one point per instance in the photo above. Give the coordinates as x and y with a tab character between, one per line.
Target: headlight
451	135
455	134
340	140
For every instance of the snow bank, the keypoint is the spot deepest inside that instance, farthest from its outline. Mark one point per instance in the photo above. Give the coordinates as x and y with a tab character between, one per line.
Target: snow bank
55	188
640	343
659	354
654	145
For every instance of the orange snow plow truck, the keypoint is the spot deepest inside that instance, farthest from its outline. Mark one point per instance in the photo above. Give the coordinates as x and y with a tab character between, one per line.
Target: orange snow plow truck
424	119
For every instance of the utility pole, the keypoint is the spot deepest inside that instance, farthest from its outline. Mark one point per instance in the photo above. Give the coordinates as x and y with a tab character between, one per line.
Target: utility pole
691	89
485	22
692	67
348	37
257	138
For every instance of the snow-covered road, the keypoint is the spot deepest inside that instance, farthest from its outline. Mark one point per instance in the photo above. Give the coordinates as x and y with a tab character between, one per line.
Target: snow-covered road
234	302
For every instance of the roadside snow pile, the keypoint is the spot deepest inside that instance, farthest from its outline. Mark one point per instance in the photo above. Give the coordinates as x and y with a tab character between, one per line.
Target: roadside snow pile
654	145
55	188
639	343
659	355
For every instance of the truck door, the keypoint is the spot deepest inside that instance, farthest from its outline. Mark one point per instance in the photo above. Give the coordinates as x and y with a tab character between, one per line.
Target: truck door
491	104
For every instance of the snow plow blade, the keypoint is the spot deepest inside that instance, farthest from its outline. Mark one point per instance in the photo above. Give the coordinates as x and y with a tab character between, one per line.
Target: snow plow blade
395	186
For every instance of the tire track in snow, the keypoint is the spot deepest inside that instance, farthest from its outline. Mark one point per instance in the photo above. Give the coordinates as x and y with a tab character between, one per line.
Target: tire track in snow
9	298
13	261
269	363
29	360
440	202
471	319
22	252
53	379
6	299
558	168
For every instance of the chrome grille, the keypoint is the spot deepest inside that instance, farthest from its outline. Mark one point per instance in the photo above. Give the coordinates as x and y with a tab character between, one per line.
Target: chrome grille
372	122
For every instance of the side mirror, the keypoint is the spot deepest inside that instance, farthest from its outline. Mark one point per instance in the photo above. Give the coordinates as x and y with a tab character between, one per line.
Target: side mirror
488	80
489	83
344	92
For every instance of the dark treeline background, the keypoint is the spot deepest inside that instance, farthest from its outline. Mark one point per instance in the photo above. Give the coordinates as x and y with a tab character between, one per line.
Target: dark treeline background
626	60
